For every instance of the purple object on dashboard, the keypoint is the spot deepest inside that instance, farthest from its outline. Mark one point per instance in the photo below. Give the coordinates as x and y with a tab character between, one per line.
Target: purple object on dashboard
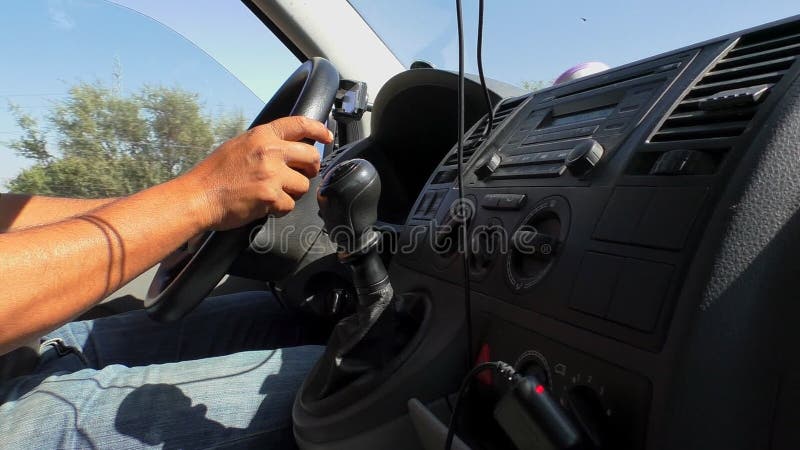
581	70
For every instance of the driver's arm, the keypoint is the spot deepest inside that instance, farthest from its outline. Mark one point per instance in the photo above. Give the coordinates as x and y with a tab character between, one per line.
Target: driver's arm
52	273
19	211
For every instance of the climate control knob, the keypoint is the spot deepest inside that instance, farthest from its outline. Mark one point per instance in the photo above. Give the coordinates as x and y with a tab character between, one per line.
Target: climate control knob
588	410
537	242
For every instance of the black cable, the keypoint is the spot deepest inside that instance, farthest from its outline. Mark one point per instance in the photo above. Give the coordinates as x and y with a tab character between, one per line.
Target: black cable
451	428
501	367
461	200
489	106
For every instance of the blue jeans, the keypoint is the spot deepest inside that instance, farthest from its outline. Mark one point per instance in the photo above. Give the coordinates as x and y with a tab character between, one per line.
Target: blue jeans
224	376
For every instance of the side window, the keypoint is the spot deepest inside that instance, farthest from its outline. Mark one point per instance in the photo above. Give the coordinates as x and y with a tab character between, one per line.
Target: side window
99	100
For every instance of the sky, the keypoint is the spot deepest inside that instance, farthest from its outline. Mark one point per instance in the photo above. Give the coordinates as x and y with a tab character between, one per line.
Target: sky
220	50
48	45
536	40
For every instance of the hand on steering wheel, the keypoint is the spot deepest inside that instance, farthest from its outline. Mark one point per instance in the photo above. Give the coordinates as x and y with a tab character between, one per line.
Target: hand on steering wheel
262	171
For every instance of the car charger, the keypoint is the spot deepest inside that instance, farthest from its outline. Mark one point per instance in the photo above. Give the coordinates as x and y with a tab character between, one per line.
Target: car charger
526	411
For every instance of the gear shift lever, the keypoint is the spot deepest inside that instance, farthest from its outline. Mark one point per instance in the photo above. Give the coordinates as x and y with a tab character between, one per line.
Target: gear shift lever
348	204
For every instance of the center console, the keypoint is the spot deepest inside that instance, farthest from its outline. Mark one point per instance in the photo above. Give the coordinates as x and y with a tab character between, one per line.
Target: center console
632	242
613	180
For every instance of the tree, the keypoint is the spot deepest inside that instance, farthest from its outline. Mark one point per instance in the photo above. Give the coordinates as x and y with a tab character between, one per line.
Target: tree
101	143
535	85
229	126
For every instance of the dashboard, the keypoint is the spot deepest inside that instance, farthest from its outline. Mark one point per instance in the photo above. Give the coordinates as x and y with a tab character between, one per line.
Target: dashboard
633	234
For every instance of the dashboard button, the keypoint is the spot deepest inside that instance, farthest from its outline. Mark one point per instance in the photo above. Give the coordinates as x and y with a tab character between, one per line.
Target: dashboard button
518	160
429	204
490	201
538	171
424	205
639	293
594	286
488	166
536	158
438	196
512	202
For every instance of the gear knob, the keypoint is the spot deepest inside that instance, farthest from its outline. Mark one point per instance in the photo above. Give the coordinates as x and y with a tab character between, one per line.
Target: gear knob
348	204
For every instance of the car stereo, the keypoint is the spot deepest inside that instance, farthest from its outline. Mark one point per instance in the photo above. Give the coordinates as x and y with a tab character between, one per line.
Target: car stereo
549	127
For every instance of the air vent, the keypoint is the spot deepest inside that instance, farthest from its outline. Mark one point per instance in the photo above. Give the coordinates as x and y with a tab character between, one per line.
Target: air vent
724	101
477	138
445	176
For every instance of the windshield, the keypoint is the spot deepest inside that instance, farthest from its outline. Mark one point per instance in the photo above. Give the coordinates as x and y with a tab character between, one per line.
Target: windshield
101	98
529	43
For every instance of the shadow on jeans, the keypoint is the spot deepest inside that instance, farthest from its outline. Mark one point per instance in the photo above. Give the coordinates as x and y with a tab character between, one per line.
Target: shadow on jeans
157	414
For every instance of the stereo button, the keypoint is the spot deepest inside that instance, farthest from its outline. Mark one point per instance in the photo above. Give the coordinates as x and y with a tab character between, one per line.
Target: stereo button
537	171
488	166
512	202
536	158
584	157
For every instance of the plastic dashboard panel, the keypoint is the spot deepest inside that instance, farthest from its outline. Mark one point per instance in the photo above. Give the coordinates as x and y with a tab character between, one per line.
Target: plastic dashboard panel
639	232
673	282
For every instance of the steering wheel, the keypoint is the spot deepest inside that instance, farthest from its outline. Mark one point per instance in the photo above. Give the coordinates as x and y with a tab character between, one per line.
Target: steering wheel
184	280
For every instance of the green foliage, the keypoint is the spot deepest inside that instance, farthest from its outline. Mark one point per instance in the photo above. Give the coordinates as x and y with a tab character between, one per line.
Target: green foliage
230	126
535	85
105	144
31	145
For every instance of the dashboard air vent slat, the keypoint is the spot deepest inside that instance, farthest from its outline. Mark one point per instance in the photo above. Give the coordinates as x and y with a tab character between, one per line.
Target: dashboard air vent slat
720	106
722	103
473	141
708	116
781	41
766	55
738	72
714	88
471	144
712	130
